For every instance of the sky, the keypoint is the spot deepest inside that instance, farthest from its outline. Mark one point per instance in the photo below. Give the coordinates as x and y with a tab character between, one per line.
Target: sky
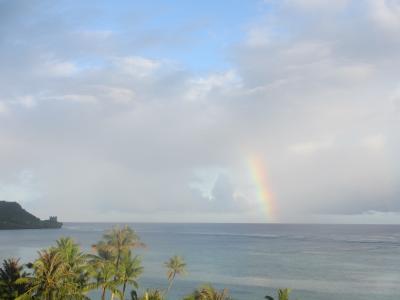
206	111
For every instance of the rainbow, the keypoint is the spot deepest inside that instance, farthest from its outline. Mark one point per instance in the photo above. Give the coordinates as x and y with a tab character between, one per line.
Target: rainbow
264	195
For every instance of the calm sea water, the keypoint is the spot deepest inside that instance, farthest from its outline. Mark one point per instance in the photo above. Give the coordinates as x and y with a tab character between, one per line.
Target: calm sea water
347	262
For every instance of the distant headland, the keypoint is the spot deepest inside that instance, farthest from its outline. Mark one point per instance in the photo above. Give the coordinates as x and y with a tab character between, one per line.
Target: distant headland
13	216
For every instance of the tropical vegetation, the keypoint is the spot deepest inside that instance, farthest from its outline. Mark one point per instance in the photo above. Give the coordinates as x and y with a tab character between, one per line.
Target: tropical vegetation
113	268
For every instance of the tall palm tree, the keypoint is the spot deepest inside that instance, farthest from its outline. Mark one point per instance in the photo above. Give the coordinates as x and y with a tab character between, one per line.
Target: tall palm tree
10	274
175	266
118	241
130	270
105	274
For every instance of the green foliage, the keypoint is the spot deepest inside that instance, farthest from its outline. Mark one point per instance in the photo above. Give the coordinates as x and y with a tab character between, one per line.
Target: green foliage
11	273
130	270
53	278
114	264
103	272
283	294
75	260
117	242
153	294
175	266
208	292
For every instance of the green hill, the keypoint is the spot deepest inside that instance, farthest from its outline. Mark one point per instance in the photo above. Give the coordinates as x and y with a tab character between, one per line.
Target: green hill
13	216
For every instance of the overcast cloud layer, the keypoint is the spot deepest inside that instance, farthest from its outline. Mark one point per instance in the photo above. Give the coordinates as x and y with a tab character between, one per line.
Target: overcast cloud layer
97	124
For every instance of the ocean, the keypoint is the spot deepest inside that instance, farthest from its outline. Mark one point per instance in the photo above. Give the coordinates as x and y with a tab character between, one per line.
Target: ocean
318	262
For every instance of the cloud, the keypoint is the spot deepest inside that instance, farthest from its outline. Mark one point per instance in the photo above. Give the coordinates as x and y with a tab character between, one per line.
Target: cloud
314	83
21	186
3	107
75	98
58	68
223	83
27	101
317	5
374	142
386	13
122	133
307	148
137	66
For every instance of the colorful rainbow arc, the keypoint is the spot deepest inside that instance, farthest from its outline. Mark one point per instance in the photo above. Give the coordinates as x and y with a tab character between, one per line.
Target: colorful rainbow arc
259	176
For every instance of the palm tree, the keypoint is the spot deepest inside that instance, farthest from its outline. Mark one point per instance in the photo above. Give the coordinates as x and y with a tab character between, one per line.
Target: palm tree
208	292
175	266
104	272
10	274
70	252
130	270
75	260
118	241
51	279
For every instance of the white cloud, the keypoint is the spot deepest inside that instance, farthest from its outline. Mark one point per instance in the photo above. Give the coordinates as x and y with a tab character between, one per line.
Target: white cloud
307	148
374	142
137	66
356	72
226	82
27	101
3	107
58	68
317	5
204	180
259	36
386	13
75	98
117	94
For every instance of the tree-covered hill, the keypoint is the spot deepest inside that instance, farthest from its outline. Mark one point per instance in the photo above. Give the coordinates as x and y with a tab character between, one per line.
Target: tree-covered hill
13	216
